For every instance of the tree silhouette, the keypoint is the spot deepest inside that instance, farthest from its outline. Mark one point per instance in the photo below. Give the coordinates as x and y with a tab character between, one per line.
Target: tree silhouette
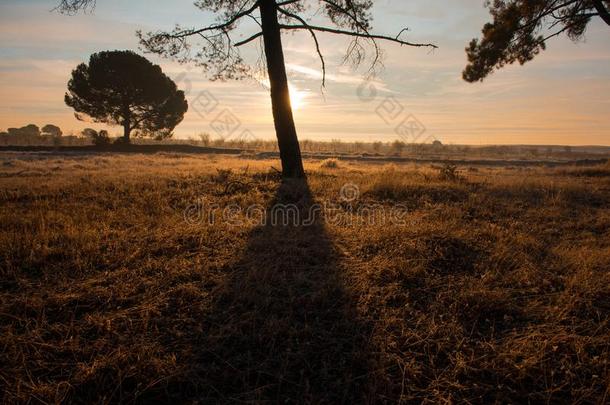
52	130
521	28
124	88
100	138
398	147
30	130
218	53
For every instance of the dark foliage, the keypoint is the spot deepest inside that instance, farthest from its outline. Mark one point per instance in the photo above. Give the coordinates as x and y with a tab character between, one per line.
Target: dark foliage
27	131
100	138
123	88
520	29
52	130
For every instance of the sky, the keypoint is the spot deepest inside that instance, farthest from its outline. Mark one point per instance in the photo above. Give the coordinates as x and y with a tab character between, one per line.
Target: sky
562	97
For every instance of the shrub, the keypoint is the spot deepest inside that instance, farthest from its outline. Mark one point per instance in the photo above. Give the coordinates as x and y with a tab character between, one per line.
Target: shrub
330	164
121	141
449	172
100	138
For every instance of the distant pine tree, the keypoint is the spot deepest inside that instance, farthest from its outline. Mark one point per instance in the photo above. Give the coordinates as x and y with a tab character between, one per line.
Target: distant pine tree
126	89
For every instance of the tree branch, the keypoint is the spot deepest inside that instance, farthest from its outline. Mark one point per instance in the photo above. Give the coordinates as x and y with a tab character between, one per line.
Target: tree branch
249	39
315	39
355	34
219	27
73	6
363	27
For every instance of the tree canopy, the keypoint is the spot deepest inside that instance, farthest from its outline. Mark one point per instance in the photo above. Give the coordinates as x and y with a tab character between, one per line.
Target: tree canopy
28	130
218	51
124	88
521	28
52	130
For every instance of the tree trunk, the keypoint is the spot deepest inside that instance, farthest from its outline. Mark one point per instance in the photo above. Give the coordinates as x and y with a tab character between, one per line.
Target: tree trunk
127	127
602	11
285	130
126	133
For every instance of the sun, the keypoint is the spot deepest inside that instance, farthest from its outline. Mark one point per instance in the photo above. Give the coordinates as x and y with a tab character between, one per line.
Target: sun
297	98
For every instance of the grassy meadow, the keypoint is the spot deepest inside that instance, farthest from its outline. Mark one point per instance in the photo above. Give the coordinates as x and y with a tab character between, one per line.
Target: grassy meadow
493	286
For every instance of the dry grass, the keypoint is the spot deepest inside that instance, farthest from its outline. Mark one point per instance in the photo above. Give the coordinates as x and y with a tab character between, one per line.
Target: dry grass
497	289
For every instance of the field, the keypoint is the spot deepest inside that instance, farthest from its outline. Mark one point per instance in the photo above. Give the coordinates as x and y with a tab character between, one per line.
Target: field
170	278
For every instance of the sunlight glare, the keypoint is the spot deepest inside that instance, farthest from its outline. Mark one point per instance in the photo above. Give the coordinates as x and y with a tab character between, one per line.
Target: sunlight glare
297	98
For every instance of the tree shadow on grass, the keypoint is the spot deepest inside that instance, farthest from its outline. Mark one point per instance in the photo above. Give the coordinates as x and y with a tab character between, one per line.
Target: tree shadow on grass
284	328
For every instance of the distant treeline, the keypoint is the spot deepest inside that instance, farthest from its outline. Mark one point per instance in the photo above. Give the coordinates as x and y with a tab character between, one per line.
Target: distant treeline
32	135
49	134
52	135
